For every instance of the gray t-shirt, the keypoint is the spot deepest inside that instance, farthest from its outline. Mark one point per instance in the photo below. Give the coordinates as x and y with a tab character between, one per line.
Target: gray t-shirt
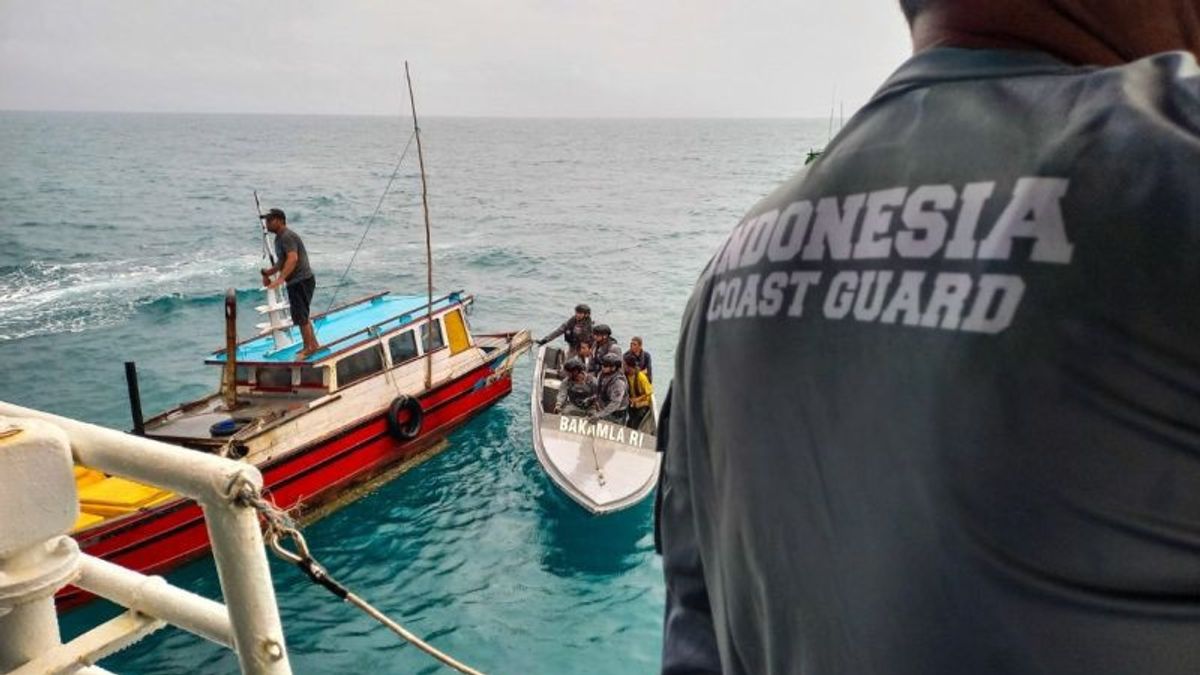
286	242
936	407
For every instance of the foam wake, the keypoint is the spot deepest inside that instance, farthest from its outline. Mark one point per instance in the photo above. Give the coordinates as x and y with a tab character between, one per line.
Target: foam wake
40	298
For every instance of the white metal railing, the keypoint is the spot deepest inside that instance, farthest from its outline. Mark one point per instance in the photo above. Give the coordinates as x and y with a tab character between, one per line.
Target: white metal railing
38	506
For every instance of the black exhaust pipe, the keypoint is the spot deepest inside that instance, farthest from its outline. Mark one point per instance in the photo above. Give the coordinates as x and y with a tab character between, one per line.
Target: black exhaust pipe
135	398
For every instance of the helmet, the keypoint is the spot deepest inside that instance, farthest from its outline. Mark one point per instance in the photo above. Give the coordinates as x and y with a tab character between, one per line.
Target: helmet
573	365
583	308
601	329
610	359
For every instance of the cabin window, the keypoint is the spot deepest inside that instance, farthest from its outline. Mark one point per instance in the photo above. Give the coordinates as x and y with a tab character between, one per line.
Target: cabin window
243	374
457	331
312	376
273	378
360	365
436	342
403	347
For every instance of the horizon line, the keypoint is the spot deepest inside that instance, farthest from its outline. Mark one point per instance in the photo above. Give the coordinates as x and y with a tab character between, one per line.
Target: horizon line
424	116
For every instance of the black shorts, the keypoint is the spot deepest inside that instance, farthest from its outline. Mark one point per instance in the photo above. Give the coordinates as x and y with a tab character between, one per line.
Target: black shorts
636	415
300	296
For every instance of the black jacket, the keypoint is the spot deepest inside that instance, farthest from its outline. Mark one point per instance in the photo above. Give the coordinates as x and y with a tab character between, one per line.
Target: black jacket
936	408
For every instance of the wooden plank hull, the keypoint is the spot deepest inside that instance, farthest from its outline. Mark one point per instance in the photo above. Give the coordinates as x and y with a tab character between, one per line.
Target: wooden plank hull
159	539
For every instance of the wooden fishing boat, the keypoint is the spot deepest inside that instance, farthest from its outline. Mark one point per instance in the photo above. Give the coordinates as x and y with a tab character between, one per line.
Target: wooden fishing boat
604	467
395	375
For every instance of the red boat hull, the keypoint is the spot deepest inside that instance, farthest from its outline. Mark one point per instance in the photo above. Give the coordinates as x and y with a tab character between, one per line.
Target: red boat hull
162	538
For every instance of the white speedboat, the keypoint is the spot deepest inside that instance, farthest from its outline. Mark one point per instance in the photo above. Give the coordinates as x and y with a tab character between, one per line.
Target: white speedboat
603	466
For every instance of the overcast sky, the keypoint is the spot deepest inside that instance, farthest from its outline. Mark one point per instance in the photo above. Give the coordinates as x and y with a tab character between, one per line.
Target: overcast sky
513	58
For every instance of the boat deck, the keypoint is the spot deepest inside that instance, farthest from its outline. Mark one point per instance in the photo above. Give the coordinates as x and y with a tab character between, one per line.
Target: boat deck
194	422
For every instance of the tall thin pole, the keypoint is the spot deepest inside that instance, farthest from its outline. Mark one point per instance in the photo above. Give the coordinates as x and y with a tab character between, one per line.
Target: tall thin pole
832	97
428	245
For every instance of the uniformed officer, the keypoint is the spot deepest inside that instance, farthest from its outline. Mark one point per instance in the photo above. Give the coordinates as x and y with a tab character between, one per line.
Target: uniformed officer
604	342
577	393
574	330
613	399
936	408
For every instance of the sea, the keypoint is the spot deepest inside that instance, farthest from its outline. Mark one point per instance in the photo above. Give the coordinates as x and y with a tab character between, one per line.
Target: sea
120	233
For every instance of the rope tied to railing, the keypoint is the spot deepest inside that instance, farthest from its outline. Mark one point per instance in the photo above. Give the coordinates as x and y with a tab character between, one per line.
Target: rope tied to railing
279	525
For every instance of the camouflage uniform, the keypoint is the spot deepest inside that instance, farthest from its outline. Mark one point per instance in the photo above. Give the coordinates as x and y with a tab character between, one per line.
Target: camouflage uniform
613	397
610	346
577	398
573	332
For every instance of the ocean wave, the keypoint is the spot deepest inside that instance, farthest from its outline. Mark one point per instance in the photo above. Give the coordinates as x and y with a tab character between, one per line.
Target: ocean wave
41	298
165	304
498	258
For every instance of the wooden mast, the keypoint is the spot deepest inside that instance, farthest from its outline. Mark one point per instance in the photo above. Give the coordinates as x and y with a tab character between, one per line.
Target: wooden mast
428	245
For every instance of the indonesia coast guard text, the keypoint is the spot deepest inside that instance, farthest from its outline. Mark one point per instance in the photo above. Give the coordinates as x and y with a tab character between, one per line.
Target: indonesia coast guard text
813	257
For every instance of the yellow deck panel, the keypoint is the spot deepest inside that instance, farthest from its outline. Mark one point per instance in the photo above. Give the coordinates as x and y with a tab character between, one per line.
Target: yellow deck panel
86	520
118	496
85	477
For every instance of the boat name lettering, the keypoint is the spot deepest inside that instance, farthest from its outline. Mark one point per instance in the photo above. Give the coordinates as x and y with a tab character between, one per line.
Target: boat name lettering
604	430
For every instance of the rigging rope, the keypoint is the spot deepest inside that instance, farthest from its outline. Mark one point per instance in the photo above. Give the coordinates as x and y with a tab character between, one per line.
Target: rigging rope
279	525
371	221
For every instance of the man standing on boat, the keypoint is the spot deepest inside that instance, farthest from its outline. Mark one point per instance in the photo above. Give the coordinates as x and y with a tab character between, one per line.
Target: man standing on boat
574	330
613	403
936	407
291	267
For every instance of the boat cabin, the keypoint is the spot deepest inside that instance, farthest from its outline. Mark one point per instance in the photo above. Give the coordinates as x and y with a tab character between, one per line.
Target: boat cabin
359	340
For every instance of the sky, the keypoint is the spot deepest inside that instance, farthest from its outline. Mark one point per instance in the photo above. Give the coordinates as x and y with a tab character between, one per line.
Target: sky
498	58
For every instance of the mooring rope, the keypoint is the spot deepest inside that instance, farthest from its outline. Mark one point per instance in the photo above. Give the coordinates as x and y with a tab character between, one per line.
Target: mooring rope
509	363
280	525
371	221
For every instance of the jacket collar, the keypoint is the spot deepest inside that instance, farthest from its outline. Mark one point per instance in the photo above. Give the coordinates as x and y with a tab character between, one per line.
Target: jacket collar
949	64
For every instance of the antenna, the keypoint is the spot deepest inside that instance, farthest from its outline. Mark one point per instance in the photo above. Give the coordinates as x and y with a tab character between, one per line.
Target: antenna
832	98
428	245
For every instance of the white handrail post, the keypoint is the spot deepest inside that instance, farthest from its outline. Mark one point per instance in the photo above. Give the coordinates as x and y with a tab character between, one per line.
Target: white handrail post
233	527
36	557
247	587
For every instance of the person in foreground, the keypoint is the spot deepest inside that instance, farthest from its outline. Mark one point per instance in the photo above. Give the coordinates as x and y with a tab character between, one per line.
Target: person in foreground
936	406
291	268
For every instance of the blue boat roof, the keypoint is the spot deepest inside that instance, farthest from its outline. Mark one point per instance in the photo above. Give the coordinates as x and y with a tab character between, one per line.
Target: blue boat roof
385	312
